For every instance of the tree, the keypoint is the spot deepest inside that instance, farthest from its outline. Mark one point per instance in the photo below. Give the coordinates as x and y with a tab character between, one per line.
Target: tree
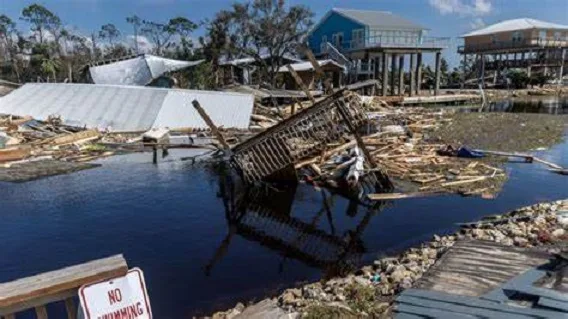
8	43
183	27
110	33
136	22
41	20
159	34
259	28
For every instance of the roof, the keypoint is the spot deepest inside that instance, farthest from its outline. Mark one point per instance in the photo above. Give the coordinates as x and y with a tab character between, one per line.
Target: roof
514	25
306	66
127	108
138	70
377	19
247	60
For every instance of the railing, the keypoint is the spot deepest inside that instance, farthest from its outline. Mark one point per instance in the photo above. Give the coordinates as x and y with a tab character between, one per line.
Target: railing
521	43
56	286
394	42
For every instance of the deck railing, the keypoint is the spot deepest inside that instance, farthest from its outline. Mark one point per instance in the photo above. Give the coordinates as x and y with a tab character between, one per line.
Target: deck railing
516	44
36	292
393	42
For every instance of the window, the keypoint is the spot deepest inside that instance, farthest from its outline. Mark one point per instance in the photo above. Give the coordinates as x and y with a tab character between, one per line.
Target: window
358	38
517	36
337	39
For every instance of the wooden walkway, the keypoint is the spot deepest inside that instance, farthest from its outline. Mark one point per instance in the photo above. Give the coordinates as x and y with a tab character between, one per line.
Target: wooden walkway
480	279
474	267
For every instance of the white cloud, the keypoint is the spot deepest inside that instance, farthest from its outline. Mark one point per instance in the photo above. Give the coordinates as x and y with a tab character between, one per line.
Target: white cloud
477	23
463	7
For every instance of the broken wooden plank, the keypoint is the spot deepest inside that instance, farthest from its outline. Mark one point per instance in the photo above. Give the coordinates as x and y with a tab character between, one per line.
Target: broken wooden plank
14	154
210	123
74	137
390	196
301	83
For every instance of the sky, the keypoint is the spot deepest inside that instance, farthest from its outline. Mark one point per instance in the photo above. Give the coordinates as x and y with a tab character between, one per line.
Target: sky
444	18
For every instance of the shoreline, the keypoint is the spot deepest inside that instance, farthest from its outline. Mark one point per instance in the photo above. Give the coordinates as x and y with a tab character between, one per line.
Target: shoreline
371	290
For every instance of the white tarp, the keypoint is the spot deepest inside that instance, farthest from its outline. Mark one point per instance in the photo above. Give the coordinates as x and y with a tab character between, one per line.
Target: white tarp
306	66
127	108
140	70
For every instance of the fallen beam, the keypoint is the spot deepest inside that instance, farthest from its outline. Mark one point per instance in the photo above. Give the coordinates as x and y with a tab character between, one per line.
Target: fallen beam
390	196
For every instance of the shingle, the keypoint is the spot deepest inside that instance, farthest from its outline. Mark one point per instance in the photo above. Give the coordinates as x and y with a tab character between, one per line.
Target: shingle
379	19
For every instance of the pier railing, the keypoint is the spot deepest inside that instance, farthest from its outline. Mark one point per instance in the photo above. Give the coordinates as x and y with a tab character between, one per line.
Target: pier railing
36	292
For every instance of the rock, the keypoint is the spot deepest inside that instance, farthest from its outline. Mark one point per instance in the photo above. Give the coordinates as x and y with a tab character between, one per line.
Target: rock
288	298
240	307
520	241
362	281
437	238
507	241
296	292
406	283
399	275
558	232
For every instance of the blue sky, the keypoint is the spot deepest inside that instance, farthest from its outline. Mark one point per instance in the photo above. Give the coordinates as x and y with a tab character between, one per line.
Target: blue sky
445	18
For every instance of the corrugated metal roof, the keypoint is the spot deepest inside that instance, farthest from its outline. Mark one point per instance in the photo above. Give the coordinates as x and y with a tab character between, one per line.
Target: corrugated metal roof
305	66
380	19
516	24
139	70
126	108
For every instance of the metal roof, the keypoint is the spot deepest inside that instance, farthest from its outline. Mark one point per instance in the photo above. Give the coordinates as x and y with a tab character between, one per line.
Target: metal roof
127	108
139	70
248	60
514	25
378	19
305	66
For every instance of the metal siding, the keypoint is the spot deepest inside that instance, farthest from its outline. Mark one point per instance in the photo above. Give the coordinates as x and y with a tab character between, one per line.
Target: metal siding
127	108
333	24
88	105
228	110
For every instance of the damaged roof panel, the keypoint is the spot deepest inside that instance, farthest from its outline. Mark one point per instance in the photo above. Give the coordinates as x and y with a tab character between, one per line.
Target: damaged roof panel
139	70
126	108
228	110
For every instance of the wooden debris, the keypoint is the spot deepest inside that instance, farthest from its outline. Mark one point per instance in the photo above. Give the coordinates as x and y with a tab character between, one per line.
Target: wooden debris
390	196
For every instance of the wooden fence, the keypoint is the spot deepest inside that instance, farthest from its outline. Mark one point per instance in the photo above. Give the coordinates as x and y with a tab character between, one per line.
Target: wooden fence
61	285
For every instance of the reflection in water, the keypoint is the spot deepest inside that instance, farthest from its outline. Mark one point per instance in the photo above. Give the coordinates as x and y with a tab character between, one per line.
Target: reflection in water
262	214
534	104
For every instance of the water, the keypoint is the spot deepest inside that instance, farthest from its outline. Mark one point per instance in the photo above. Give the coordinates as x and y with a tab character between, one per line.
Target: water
197	255
531	104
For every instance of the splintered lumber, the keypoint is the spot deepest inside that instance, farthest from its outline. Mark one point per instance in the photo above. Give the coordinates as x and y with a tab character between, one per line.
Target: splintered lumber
301	83
389	196
319	72
258	117
506	154
467	181
74	137
38	290
210	123
14	154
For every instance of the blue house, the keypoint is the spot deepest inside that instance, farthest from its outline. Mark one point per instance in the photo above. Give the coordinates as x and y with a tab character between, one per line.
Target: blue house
348	29
375	45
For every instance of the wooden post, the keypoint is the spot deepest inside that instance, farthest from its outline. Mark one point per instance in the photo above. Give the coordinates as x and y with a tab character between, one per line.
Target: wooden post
155	154
560	78
376	61
41	312
70	308
300	83
419	73
210	123
393	74
463	77
385	81
319	72
412	74
437	73
401	74
482	71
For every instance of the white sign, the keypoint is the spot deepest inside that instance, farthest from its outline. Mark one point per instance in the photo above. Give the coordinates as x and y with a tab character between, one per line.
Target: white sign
118	298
